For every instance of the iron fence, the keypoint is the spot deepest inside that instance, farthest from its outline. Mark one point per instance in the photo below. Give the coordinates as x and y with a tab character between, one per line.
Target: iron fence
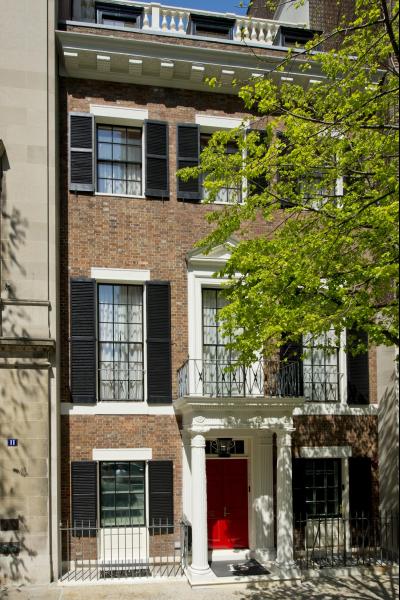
360	540
143	552
225	379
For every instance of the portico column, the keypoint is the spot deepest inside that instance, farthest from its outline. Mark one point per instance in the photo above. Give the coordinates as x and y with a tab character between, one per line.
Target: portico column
284	557
264	500
199	564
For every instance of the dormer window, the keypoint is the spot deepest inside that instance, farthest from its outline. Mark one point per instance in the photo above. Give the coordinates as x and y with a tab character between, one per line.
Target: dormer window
290	37
114	15
213	27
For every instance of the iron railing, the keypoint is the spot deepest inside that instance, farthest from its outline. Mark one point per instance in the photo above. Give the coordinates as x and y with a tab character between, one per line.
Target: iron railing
360	540
144	552
222	379
316	383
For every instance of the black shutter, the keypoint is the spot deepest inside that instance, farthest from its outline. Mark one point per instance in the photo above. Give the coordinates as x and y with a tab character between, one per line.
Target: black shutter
81	155
84	498
188	155
83	340
298	483
291	353
360	485
357	371
159	382
259	184
161	496
157	176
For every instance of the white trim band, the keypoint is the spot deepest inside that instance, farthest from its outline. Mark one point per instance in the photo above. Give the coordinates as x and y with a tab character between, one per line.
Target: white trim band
119	275
119	114
326	452
208	122
114	454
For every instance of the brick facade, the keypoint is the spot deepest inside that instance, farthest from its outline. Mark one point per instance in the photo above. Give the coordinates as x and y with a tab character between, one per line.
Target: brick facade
140	233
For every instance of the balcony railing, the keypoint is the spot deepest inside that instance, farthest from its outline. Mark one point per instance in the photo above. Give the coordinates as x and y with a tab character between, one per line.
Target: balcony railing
223	380
177	21
217	379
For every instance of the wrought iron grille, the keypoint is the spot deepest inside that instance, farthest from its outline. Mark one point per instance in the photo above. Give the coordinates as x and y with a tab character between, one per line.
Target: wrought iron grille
92	553
328	542
226	380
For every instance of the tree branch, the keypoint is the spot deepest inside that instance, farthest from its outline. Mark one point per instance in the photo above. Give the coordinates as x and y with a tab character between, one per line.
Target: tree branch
388	24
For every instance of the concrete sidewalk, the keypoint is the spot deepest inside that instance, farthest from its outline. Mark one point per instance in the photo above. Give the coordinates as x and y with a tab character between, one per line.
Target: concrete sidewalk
366	587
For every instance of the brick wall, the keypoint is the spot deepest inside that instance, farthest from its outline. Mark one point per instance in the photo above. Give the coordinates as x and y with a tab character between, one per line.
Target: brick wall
80	434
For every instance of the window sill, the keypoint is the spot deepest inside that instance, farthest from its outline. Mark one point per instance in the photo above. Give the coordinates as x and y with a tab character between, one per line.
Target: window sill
119	196
116	408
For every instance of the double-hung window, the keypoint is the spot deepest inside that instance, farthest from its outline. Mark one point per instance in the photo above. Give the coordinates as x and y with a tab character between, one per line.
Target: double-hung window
119	160
122	494
231	194
120	352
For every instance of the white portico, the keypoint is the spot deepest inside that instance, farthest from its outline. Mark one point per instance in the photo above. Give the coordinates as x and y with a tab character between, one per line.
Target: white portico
252	423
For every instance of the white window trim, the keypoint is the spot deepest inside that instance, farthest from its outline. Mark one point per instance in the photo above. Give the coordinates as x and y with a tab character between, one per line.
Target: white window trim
119	115
201	270
122	454
128	276
116	408
211	124
126	117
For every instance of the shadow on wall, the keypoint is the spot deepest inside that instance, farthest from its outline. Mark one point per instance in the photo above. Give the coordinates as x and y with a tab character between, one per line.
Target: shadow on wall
389	445
13	234
23	414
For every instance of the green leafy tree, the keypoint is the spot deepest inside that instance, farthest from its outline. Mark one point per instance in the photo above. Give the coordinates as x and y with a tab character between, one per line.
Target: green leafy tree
321	170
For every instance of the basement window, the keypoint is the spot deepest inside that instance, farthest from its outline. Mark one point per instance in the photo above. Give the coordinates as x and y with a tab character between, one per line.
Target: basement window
213	27
119	16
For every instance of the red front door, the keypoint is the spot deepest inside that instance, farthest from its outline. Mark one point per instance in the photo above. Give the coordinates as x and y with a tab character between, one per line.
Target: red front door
227	503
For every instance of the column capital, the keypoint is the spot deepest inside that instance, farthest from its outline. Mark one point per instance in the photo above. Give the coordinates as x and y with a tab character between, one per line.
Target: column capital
284	436
198	440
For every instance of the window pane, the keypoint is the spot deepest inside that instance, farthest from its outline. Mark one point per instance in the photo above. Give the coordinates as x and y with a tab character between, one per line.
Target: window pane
134	136
104	170
106	331
134	154
104	134
119	171
119	187
119	152
119	135
105	294
104	186
104	151
134	188
121	313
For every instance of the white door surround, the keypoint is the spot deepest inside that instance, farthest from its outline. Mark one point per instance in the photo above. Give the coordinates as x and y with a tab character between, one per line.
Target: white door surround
256	421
